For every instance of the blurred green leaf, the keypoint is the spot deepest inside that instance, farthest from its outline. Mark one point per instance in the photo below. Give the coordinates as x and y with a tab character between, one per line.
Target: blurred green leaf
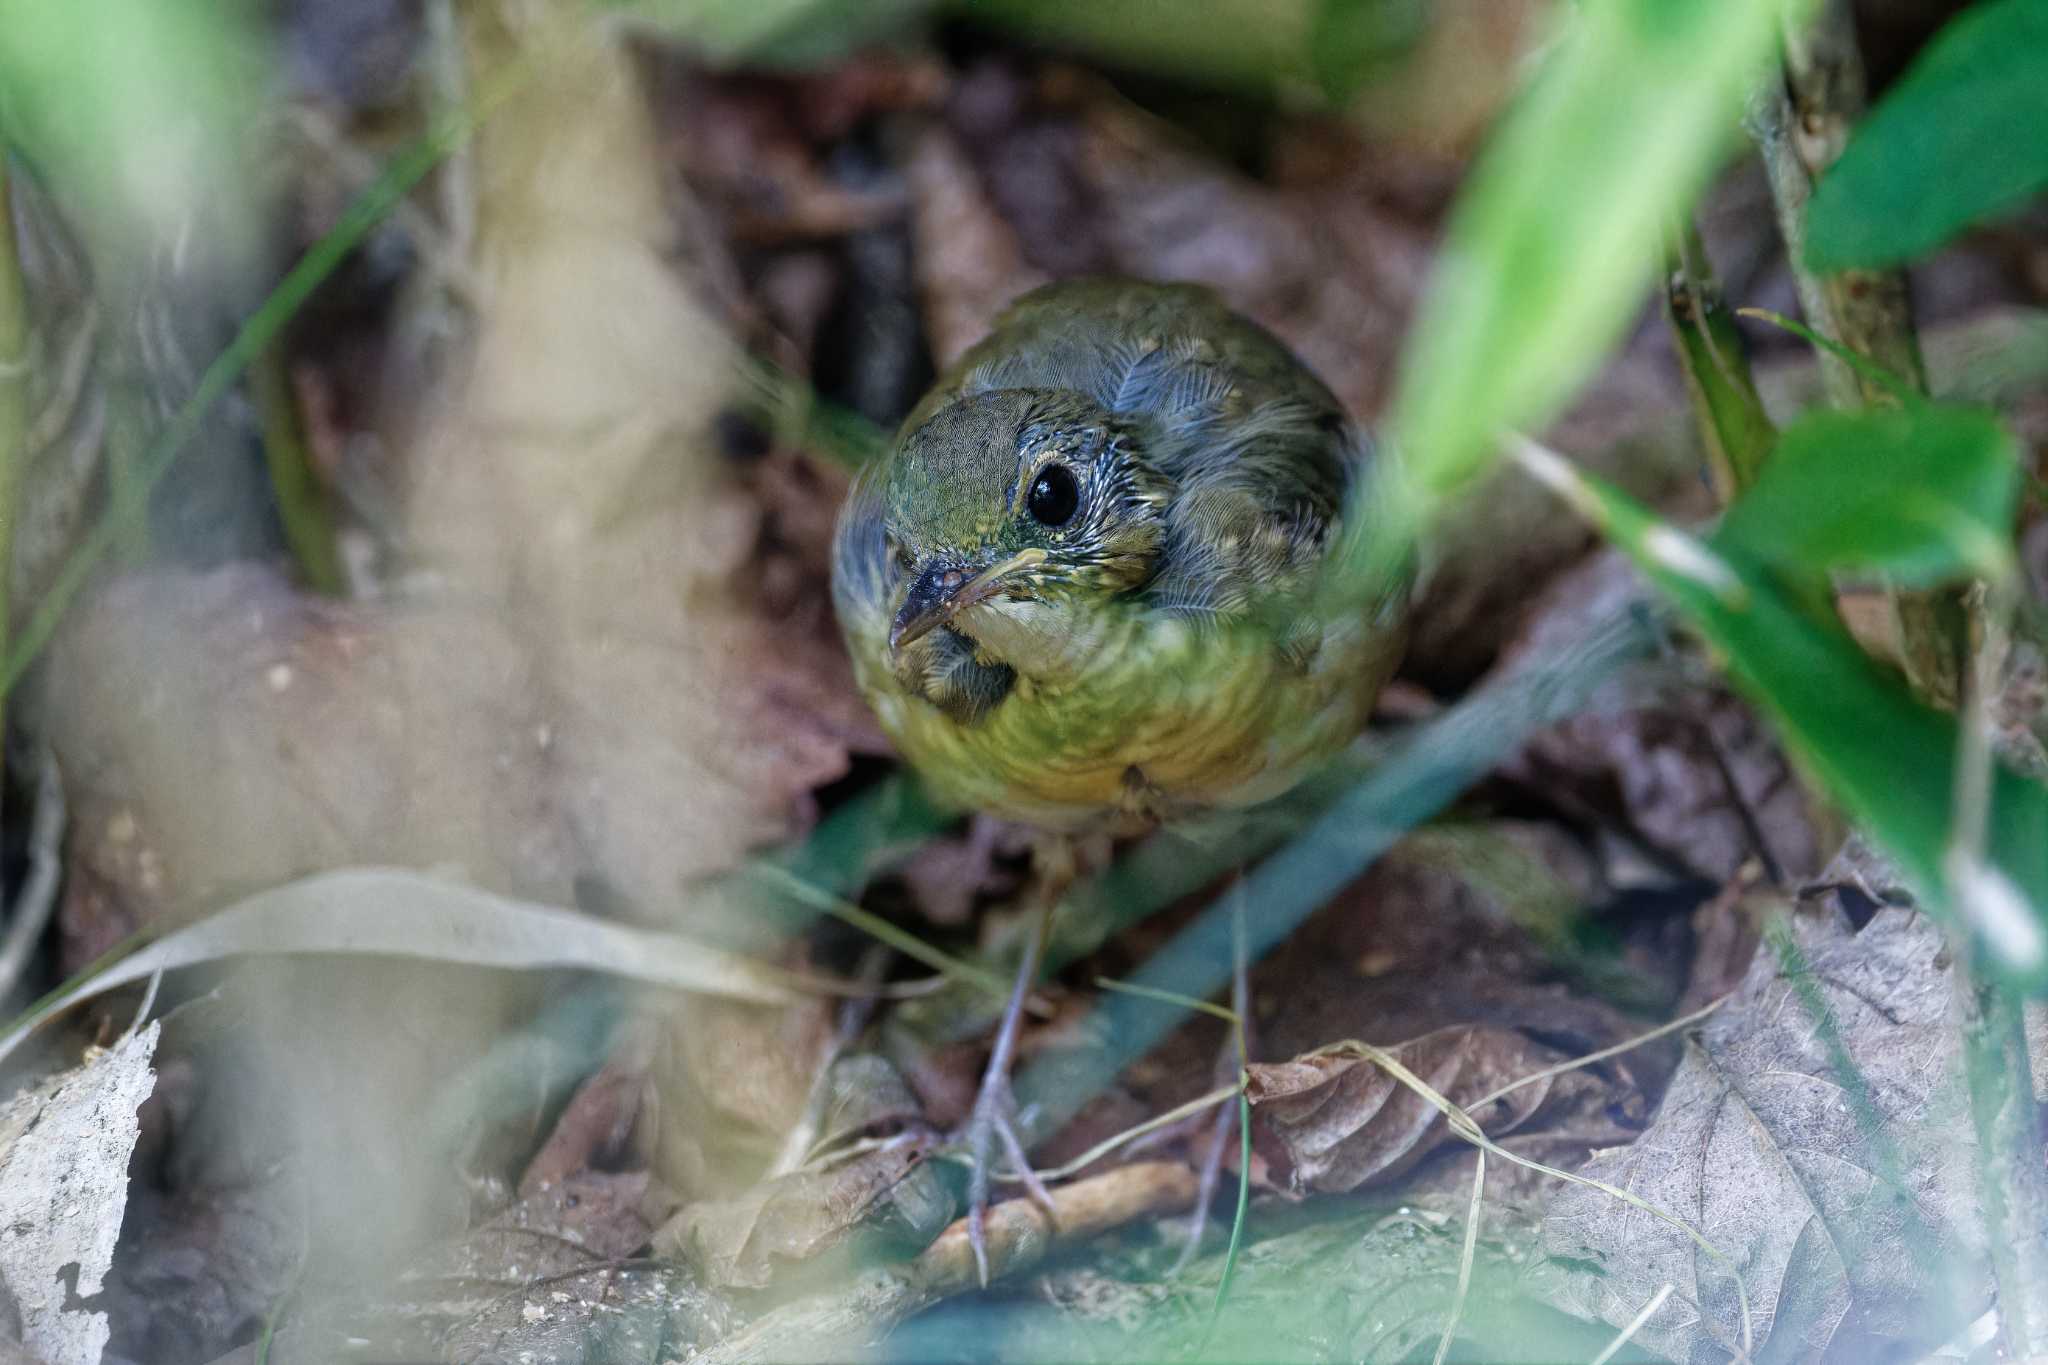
1924	493
405	169
1351	41
1554	239
1889	760
795	33
1956	140
136	111
1241	44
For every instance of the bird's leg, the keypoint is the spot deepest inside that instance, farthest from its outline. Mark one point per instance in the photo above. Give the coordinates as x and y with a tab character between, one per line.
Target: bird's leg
1230	1064
995	1106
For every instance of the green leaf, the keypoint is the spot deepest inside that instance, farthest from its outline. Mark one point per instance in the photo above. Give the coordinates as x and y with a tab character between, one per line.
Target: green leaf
1553	242
1889	760
774	33
138	112
1924	493
1958	139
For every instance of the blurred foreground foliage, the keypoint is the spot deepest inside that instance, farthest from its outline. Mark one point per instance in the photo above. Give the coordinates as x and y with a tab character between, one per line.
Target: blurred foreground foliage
1632	107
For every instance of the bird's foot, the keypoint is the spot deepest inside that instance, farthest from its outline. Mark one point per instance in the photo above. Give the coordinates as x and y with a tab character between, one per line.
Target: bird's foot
991	1124
1205	1186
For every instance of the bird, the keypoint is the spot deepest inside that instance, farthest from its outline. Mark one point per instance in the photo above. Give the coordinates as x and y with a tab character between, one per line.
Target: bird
1086	587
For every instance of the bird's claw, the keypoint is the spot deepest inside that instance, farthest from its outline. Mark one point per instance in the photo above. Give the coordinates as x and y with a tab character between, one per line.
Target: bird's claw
993	1122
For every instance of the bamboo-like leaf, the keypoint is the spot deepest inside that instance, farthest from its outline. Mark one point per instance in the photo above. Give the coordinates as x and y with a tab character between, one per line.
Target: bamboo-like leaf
1552	245
1923	493
1955	141
1889	760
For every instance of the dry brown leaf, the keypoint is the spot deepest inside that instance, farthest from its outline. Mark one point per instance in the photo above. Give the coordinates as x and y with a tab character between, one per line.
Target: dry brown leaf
1848	1201
731	1081
865	1188
551	1278
740	1243
1329	1124
1655	753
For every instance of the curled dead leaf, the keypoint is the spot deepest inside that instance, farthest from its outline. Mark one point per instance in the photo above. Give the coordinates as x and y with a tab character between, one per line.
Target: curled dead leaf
1327	1124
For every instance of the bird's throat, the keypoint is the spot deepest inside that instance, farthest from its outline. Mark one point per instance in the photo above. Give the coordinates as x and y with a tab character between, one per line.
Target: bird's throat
1053	646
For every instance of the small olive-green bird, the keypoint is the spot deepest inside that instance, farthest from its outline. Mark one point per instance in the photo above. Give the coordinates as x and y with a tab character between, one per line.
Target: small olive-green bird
1079	591
1086	588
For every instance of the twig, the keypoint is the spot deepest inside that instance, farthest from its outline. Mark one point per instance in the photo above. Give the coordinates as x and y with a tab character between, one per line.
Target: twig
843	1323
1020	1233
1800	127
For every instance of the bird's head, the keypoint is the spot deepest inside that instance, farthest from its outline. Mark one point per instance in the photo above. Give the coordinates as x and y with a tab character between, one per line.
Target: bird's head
1018	502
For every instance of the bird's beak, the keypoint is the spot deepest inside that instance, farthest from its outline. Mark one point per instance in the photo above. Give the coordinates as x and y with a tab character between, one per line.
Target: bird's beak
941	592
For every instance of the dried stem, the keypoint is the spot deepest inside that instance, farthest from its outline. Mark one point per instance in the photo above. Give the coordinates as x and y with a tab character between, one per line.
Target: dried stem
1800	127
2012	1187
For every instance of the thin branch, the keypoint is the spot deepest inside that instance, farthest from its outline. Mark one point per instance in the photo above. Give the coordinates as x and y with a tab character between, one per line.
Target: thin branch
1800	126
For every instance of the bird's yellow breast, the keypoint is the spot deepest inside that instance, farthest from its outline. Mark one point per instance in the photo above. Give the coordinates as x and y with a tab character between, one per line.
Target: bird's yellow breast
1166	721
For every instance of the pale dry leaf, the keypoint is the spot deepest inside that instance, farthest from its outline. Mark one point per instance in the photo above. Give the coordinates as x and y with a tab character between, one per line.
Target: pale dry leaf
64	1149
1818	1134
388	912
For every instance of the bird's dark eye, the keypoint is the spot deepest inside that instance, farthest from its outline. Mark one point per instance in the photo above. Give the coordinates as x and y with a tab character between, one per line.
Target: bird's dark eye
1054	496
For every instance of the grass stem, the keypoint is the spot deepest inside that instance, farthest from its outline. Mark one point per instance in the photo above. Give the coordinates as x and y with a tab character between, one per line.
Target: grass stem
13	401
